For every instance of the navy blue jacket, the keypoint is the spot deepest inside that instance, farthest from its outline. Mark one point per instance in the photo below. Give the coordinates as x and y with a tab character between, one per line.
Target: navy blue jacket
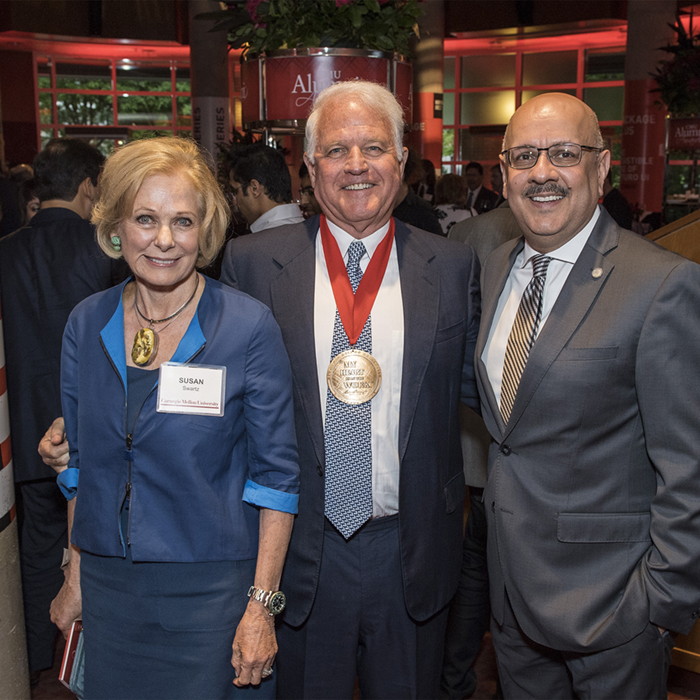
195	480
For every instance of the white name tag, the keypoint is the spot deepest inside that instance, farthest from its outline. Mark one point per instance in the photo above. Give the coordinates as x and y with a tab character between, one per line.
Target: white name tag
195	389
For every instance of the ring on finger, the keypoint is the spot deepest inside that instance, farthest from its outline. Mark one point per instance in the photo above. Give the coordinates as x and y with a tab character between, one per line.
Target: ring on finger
266	672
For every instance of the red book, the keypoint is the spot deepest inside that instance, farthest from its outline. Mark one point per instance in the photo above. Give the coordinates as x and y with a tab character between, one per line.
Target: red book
69	653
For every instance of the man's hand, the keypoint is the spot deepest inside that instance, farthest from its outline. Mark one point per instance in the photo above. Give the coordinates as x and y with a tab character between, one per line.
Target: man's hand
67	606
53	447
254	646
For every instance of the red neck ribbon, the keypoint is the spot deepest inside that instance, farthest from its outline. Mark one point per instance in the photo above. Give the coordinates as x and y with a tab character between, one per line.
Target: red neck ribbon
354	309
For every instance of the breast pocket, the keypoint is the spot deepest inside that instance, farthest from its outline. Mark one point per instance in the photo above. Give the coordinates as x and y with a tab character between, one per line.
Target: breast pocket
583	354
450	332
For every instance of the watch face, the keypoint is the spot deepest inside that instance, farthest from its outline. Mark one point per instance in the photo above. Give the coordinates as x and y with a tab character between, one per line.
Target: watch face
277	603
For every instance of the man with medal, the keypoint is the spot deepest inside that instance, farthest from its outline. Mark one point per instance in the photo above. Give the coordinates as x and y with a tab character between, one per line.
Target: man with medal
380	322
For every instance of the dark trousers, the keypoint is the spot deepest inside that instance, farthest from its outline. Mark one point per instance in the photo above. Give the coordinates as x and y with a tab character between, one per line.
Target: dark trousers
470	610
359	626
42	527
637	670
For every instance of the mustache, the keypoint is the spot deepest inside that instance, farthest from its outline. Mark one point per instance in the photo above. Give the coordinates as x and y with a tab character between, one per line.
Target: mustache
546	188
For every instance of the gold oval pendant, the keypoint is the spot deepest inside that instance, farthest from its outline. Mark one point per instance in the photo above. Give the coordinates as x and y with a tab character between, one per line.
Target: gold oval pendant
354	377
145	347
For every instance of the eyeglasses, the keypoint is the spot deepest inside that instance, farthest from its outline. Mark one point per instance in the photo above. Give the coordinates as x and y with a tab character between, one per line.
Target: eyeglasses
236	190
562	155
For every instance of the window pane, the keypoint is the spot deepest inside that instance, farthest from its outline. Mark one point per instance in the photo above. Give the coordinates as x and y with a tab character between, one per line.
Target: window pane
448	144
480	145
449	78
494	70
145	110
612	135
607	103
84	109
84	76
446	169
43	69
45	110
604	64
147	134
46	135
448	108
526	95
182	79
549	68
487	107
184	111
144	77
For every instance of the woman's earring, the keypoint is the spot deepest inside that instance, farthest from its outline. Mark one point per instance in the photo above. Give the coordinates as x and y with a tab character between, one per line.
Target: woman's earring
116	243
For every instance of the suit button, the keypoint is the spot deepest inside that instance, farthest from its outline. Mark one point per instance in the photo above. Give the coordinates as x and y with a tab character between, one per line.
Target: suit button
694	616
319	469
504	449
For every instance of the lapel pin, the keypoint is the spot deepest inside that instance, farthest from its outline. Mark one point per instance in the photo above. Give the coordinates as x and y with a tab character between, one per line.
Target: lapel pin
597	272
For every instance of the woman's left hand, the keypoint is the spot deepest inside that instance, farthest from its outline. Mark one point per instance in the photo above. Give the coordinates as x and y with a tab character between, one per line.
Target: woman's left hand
254	646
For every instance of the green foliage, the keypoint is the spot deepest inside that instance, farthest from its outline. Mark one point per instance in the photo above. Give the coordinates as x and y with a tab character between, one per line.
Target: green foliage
289	24
679	77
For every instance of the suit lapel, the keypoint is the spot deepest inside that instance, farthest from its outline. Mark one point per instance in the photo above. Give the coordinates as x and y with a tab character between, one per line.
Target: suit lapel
578	294
292	298
420	291
493	280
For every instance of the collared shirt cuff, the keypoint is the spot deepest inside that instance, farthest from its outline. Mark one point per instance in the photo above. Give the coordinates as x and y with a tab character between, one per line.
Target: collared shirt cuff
269	498
67	481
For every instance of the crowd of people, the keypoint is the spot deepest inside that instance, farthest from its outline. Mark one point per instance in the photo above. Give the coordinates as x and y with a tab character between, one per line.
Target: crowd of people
265	472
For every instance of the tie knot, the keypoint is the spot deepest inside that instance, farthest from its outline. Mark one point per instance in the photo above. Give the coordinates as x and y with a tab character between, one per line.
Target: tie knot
540	263
355	253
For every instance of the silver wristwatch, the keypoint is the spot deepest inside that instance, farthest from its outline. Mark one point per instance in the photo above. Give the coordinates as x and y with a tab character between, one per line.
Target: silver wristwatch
273	601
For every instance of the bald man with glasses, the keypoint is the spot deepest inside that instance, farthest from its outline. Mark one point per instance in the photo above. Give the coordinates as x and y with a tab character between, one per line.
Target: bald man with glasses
587	366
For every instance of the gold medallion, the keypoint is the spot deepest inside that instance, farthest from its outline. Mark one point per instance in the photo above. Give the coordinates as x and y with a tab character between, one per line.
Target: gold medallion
354	377
145	347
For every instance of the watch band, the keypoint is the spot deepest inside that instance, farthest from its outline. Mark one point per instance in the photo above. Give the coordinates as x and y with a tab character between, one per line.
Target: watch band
273	601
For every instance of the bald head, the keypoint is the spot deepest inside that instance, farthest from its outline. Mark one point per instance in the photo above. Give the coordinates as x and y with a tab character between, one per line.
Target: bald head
552	203
558	103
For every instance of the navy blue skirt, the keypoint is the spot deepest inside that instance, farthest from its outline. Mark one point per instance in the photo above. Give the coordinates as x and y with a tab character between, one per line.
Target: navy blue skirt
163	630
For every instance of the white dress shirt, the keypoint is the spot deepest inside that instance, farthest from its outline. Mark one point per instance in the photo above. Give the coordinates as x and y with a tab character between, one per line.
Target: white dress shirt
519	277
281	215
387	349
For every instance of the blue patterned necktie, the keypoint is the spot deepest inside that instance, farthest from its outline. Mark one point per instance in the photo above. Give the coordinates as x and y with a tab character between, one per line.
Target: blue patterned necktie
523	334
348	432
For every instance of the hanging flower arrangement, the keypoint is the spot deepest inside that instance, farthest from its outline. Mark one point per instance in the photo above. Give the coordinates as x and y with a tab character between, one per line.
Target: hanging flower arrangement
678	79
263	26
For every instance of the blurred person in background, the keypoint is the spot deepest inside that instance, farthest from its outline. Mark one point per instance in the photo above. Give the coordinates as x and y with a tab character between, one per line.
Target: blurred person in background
481	198
309	204
262	187
410	208
183	475
29	203
450	201
46	268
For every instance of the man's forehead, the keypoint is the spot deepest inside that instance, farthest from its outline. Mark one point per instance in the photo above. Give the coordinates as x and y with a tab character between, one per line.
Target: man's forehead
549	127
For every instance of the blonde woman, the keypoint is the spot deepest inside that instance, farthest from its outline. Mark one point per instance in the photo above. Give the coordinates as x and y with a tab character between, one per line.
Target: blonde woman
177	401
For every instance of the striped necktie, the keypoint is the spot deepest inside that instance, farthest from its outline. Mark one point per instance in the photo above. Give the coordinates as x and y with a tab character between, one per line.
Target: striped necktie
523	334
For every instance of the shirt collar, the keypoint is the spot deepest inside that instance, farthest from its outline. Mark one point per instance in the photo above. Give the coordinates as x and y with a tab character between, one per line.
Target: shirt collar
344	239
570	251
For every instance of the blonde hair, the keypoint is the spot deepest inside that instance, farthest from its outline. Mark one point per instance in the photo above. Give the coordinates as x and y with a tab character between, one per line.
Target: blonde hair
371	95
127	168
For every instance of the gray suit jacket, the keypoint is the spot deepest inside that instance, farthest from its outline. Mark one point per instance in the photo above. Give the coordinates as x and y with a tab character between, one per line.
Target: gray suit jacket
440	290
593	497
484	233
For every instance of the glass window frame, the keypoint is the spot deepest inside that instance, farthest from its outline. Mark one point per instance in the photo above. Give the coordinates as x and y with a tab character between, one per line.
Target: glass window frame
456	49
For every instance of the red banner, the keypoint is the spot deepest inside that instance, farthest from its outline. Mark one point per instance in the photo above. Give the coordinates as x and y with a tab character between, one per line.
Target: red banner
684	134
643	154
290	83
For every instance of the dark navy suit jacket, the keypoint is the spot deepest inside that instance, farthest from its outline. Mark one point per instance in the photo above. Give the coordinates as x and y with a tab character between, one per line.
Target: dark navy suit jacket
46	268
440	290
